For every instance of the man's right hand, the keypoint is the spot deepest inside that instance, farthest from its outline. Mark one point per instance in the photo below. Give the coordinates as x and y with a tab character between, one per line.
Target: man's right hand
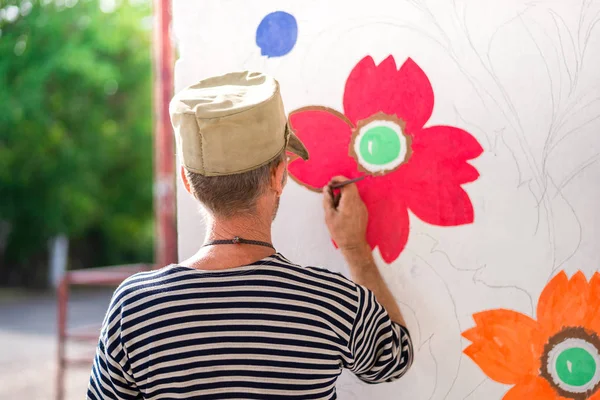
347	223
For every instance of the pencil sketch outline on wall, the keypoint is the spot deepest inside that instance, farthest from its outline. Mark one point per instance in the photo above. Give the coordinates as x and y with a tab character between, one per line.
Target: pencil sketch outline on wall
534	171
545	181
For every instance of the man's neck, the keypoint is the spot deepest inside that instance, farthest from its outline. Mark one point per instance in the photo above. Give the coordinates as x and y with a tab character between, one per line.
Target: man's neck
246	227
217	257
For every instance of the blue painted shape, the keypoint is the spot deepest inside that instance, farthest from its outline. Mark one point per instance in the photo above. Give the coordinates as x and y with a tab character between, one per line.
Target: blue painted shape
276	34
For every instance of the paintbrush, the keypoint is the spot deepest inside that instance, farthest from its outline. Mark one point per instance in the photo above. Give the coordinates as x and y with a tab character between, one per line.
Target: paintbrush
337	185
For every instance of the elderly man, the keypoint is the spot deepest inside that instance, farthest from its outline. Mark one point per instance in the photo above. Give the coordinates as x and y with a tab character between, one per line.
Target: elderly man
238	320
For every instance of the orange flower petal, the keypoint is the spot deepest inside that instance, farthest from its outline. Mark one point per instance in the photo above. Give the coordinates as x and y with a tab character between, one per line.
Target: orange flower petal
563	303
536	388
592	319
507	345
595	396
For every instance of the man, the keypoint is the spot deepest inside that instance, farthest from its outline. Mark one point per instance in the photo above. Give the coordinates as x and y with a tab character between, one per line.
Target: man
238	320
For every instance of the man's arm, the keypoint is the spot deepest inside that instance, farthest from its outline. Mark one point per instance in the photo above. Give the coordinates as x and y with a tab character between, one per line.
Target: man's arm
364	272
348	227
380	345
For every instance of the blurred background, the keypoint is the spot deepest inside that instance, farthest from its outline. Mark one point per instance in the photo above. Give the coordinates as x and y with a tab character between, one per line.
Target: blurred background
76	172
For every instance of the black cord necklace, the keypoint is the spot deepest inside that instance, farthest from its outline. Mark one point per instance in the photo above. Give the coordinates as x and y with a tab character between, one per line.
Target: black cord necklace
239	240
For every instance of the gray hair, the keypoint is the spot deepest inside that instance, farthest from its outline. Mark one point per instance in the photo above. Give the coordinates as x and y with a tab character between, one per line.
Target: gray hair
230	195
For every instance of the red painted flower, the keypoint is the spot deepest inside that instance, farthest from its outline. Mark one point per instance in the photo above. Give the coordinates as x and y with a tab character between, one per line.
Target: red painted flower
382	134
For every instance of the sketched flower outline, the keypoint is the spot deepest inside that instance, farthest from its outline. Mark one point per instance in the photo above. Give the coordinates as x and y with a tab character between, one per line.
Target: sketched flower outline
382	134
555	356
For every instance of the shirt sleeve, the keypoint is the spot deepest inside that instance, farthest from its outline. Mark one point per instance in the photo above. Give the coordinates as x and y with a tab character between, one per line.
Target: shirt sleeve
111	376
381	349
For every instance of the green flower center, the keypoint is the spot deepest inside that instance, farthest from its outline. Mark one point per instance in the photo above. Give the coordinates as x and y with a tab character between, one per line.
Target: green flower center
380	145
575	366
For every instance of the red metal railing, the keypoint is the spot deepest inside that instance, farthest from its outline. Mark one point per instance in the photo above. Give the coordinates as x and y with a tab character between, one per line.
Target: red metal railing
107	276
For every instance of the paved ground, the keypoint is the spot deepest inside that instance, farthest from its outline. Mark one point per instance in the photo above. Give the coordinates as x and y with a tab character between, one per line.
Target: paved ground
28	338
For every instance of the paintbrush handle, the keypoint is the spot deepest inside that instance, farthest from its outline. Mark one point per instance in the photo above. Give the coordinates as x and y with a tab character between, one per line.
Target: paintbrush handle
349	181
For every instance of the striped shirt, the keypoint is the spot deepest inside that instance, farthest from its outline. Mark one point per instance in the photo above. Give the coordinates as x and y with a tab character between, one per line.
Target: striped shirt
270	330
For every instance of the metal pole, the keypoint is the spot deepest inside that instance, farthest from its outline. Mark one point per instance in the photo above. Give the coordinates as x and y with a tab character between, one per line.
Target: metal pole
164	149
62	298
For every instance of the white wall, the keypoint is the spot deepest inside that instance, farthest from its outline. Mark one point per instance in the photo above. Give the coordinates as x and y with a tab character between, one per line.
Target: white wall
521	77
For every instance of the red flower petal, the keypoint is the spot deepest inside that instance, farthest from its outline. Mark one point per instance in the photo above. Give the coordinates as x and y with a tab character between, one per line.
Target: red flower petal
430	171
422	169
459	171
388	225
440	203
406	93
326	134
432	190
430	181
445	143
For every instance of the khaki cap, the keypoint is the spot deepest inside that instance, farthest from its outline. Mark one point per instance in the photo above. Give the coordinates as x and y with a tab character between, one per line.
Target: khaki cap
231	124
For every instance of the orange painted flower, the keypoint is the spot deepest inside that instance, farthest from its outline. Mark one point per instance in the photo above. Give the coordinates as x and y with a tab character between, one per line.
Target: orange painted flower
555	357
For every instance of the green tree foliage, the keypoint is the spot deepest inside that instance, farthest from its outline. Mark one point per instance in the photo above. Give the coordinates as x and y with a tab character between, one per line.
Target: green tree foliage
75	134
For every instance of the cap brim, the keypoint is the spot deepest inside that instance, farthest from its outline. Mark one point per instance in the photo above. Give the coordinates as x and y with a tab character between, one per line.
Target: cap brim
295	145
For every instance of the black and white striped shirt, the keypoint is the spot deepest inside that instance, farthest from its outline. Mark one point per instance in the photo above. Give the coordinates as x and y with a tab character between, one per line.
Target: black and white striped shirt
270	330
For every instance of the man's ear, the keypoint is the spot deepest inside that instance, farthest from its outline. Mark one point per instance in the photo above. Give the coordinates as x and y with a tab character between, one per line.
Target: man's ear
278	177
184	179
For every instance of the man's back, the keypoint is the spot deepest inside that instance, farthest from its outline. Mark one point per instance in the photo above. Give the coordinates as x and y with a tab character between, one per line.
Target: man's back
269	330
